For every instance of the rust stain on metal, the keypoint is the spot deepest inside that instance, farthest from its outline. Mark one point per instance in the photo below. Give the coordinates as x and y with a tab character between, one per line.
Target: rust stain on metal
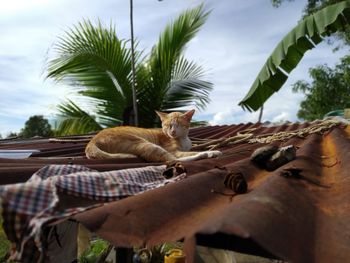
291	218
236	182
296	173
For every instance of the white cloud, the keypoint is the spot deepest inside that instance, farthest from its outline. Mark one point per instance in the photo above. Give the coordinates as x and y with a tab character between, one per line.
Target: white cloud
16	6
233	44
283	116
237	115
233	115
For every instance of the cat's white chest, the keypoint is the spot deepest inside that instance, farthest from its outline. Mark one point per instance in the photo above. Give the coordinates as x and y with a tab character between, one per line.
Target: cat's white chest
185	144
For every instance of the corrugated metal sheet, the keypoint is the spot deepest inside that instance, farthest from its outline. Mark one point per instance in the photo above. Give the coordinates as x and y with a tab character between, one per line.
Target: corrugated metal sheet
302	218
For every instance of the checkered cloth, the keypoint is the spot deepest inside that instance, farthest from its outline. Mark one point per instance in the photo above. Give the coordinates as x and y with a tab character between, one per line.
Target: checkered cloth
28	208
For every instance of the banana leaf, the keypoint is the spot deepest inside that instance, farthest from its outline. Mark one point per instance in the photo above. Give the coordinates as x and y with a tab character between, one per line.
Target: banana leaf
288	53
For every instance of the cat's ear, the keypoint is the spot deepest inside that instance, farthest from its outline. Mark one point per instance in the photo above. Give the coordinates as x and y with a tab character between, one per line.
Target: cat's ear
162	115
188	115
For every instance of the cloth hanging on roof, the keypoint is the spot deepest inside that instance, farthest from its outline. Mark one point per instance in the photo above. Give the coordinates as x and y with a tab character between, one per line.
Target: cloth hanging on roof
56	192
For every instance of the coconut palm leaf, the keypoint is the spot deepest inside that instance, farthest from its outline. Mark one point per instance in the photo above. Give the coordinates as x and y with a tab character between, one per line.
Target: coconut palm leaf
74	120
286	56
162	87
172	42
187	87
98	67
94	58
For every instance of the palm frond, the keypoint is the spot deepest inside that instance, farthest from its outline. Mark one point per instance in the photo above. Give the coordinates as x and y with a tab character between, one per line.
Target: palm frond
94	58
286	56
171	44
98	66
74	120
188	92
169	81
187	87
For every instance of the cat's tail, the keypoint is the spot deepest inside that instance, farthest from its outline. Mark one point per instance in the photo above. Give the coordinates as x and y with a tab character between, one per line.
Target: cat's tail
93	152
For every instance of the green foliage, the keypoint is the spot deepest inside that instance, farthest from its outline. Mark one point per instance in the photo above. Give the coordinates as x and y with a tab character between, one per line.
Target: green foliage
97	65
36	125
288	53
277	3
96	249
4	244
195	123
11	135
312	6
328	91
79	122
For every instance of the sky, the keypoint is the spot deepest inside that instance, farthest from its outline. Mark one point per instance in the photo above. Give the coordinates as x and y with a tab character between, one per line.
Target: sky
232	46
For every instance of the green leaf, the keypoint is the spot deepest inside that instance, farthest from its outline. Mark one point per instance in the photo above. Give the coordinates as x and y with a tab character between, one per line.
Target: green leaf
288	53
95	63
73	120
169	80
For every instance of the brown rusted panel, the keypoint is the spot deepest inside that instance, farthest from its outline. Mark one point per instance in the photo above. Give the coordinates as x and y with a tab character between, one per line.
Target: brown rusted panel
145	219
299	218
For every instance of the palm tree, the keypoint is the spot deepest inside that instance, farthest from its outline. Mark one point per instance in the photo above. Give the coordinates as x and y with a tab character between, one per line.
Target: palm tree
288	53
97	65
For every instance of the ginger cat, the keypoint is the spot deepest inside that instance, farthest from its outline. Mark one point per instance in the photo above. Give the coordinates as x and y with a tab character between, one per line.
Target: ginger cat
169	143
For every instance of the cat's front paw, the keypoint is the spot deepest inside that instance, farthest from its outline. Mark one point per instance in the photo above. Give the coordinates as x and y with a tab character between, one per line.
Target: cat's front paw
209	154
213	154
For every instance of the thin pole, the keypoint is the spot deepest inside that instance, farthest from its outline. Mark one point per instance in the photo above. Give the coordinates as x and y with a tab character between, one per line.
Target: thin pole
261	113
133	82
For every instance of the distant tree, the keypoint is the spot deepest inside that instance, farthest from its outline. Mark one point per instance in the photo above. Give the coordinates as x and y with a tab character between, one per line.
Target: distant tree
195	123
11	135
277	3
328	91
36	125
313	6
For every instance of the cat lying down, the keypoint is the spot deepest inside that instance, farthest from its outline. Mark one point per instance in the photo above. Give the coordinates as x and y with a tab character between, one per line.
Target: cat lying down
169	143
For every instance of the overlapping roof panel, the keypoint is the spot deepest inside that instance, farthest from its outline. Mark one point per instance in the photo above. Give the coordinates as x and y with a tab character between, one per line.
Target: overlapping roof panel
300	217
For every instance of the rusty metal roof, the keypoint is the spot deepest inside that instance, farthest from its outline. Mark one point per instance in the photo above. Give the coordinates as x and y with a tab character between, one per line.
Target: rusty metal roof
298	219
